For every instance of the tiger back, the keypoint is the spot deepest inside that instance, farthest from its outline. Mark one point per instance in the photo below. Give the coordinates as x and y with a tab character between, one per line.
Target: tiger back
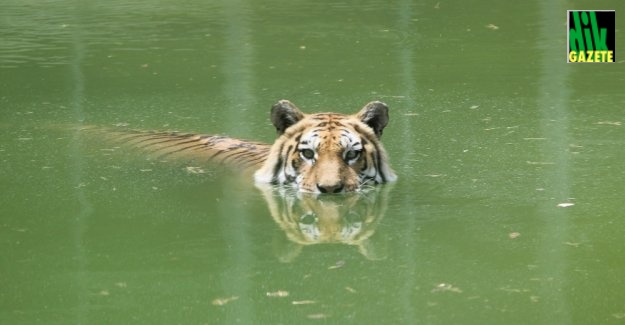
164	146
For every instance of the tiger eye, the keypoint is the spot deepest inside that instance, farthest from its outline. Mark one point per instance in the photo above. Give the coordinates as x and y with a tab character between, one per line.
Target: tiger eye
352	154
307	153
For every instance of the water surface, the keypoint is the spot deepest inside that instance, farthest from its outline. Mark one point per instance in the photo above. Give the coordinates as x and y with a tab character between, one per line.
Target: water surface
508	207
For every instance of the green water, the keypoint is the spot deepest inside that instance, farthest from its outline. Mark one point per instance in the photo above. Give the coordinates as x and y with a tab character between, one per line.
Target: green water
508	208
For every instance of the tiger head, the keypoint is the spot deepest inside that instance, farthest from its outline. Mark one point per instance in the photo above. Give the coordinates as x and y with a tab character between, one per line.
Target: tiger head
327	152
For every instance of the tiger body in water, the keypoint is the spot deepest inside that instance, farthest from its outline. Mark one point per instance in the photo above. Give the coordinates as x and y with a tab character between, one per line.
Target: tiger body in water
318	153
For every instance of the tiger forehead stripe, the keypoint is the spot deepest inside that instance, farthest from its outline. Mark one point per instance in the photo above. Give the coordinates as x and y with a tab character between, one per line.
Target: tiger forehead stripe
332	124
349	139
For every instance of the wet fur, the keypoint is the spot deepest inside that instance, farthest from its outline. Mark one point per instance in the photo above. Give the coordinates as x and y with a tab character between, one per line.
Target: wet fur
346	150
331	136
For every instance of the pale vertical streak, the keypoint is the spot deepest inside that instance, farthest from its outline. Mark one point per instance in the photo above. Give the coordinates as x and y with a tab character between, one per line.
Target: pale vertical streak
235	221
553	102
238	60
85	208
406	65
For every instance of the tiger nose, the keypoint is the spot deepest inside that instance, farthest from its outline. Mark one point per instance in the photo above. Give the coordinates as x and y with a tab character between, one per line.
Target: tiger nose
334	188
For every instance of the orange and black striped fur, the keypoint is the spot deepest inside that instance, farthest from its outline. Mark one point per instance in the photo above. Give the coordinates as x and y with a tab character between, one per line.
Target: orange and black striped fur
319	153
222	150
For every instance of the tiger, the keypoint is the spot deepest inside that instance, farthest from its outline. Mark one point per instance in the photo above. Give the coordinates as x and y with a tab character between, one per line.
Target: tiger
316	153
327	152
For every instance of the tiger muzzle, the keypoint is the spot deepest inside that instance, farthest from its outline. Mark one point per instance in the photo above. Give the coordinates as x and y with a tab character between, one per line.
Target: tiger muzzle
336	188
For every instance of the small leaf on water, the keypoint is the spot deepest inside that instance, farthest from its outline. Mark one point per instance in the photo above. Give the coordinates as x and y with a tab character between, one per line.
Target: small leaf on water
223	301
278	294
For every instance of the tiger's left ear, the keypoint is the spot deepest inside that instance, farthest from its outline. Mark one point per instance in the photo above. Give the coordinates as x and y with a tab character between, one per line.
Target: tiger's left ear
285	114
375	115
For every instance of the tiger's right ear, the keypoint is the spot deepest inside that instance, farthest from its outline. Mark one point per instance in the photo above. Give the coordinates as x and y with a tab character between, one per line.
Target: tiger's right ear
285	114
375	115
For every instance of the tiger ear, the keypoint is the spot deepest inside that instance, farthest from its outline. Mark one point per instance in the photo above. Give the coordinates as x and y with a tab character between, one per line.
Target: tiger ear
285	114
375	115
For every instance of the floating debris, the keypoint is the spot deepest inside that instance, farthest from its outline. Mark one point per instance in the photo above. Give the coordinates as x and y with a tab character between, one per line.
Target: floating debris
442	287
303	302
194	170
492	26
514	235
615	123
513	290
435	175
318	316
350	289
223	301
565	205
278	294
337	265
540	163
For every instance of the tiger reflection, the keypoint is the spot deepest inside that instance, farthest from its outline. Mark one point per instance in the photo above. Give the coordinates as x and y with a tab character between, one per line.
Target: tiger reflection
309	219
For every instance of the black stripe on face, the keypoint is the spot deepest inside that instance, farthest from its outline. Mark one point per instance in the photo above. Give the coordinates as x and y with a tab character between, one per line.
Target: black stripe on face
276	168
295	164
289	150
366	161
377	160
